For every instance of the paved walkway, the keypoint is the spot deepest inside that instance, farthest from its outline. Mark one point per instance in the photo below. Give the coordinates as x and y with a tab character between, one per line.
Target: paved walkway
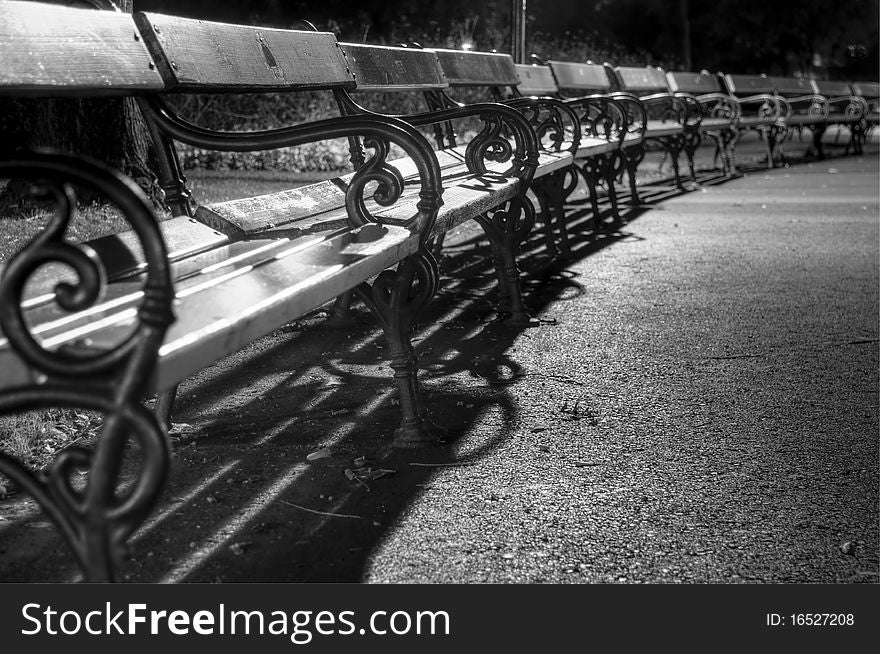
703	409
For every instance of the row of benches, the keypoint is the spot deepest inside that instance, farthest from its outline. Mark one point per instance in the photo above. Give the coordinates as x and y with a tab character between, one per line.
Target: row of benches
103	325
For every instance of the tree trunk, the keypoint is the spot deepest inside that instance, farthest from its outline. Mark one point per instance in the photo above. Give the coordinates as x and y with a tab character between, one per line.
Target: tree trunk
110	130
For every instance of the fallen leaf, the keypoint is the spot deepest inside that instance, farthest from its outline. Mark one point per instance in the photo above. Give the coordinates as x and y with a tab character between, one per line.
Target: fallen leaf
323	453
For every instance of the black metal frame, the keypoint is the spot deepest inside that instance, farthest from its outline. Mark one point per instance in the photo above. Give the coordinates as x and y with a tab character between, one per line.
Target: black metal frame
96	520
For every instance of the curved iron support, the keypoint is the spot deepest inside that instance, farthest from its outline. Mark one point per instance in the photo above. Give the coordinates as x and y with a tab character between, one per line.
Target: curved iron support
546	116
396	297
506	228
96	520
380	130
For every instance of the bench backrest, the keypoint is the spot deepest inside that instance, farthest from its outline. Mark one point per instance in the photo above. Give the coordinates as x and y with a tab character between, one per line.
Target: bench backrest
203	56
580	79
867	90
641	81
832	89
694	83
744	85
72	66
536	80
792	86
384	68
468	68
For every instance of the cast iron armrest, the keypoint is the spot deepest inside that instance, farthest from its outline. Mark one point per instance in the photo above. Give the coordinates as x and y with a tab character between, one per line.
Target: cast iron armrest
546	115
377	131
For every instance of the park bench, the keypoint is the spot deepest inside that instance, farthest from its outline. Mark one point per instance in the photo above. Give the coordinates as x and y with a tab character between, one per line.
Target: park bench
721	112
606	126
578	80
487	178
491	76
870	93
761	110
845	111
673	118
559	126
101	325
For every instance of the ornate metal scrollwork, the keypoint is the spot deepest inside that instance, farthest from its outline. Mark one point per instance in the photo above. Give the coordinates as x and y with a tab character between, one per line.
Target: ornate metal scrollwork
97	520
395	298
488	145
379	131
547	116
375	170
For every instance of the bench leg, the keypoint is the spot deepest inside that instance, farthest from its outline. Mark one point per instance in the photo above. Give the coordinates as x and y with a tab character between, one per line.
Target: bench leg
729	139
818	133
856	138
632	157
165	407
692	141
541	189
612	165
506	228
673	146
589	170
341	313
396	298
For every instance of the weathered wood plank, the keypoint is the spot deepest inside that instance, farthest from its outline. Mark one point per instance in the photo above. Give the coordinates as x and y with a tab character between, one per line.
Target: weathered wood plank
657	128
320	207
49	49
744	85
121	255
792	86
468	68
234	309
832	89
571	76
126	292
536	80
641	80
385	68
199	55
696	83
867	89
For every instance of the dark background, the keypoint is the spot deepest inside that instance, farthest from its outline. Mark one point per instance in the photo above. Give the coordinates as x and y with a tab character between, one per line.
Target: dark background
834	39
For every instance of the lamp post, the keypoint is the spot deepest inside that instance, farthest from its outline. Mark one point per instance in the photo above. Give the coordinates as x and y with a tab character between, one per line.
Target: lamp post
518	30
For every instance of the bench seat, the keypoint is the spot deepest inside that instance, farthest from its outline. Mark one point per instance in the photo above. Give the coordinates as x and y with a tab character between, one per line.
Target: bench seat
320	207
225	296
660	128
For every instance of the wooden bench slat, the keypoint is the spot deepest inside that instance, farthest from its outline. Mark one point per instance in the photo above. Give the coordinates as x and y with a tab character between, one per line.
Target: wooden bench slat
228	314
867	89
695	83
579	77
466	68
200	55
642	79
831	88
536	80
121	255
125	291
385	68
55	50
656	128
743	85
320	207
792	86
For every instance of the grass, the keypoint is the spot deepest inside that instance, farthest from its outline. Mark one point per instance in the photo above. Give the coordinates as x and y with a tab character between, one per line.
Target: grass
36	437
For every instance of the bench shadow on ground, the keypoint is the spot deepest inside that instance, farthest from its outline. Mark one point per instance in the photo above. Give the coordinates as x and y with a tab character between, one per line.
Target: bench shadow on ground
247	502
